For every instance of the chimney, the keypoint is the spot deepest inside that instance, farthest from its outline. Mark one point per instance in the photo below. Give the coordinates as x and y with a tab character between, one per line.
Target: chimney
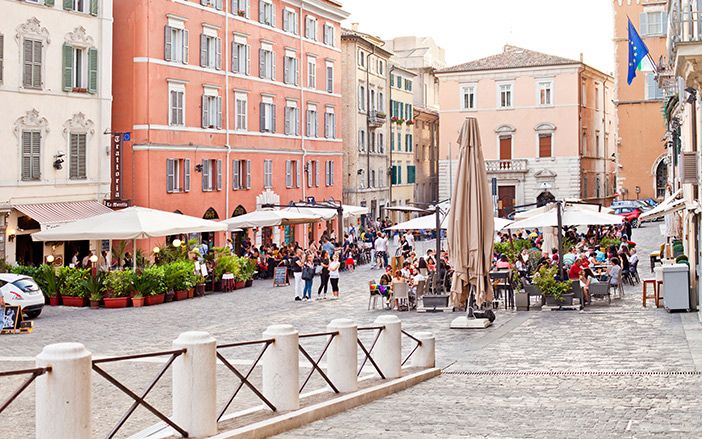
354	27
581	57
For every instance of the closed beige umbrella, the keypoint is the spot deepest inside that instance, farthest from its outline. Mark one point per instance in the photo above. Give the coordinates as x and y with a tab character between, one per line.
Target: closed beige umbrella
471	226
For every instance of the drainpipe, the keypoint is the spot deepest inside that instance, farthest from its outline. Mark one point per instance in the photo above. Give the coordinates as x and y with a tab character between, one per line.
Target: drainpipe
392	68
368	130
301	21
225	66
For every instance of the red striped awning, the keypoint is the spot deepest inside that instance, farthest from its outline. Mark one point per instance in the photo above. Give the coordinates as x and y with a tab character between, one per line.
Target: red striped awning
48	214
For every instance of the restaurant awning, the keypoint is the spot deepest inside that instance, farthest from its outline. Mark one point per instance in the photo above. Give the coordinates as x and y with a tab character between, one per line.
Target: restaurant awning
51	215
328	213
671	204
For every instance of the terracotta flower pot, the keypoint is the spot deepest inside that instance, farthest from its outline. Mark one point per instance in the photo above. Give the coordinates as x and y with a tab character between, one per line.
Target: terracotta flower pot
155	300
54	300
116	302
74	301
94	304
191	293
200	290
181	295
239	284
137	302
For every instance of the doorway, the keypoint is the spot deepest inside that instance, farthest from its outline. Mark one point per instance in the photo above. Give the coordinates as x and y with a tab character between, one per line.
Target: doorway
506	200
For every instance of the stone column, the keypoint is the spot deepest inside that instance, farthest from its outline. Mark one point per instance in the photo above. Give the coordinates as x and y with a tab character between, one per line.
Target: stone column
281	368
342	356
388	350
424	356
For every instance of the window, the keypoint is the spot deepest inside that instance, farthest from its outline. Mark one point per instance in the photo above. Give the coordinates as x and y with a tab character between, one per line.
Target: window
545	145
371	142
381	67
545	90
241	174
381	101
408	142
79	69
292	173
504	95
241	117
372	179
652	89
392	80
266	62
411	174
505	147
361	98
310	28
392	140
330	77
329	35
32	63
177	175
309	168
597	97
290	21
398	145
176	42
361	58
2	56
31	155
292	119
329	123
85	6
311	72
398	81
267	115
217	4
312	123
361	140
176	104
268	174
210	51
408	85
583	93
266	13
76	156
653	23
211	110
290	68
468	97
241	57
211	175
240	8
381	143
329	173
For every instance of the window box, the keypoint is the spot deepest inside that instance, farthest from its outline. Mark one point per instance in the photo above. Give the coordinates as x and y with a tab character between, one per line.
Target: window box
410	122
79	90
241	13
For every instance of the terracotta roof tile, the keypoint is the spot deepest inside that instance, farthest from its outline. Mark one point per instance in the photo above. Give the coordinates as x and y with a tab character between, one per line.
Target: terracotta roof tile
512	57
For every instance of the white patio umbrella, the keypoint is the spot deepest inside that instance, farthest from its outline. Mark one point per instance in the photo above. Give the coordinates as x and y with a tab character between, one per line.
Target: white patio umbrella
429	222
270	218
329	213
571	216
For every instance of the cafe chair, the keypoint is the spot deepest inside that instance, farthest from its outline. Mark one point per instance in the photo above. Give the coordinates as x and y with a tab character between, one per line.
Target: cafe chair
375	297
400	294
657	257
634	270
600	290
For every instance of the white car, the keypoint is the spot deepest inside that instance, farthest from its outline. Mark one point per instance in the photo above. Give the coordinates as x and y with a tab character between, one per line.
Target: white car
21	290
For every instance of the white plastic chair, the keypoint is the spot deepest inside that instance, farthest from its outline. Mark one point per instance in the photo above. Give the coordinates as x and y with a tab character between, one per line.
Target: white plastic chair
400	293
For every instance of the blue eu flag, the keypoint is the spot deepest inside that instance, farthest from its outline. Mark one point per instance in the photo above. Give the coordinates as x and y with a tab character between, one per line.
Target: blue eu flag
637	52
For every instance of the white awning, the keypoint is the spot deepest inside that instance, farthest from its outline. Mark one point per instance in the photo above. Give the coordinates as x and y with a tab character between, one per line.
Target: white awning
51	215
669	205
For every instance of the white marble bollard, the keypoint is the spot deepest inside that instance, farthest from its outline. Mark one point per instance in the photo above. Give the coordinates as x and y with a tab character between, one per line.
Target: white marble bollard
64	395
195	384
388	350
281	368
425	355
342	356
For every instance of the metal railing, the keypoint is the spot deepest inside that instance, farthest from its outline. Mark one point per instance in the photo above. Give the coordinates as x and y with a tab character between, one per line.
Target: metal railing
315	363
516	165
139	400
419	343
36	372
367	352
244	379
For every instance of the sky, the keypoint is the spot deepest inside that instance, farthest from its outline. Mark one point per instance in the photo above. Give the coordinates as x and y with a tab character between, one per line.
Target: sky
472	29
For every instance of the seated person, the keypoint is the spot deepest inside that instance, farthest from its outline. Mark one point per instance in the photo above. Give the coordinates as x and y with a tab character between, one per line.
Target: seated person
575	269
614	271
586	279
633	260
406	271
503	263
386	278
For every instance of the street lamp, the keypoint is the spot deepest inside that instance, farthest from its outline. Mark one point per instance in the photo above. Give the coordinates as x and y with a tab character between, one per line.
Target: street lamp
50	259
93	265
177	243
157	250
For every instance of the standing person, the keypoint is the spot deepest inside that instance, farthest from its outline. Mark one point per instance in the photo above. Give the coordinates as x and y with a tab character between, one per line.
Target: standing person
308	277
381	250
334	275
324	274
296	264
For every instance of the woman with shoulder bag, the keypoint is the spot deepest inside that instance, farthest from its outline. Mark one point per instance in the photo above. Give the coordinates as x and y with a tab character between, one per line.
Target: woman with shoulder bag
308	271
334	275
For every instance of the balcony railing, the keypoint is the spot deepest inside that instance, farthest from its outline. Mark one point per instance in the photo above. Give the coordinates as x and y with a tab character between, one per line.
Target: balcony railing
685	23
376	118
517	165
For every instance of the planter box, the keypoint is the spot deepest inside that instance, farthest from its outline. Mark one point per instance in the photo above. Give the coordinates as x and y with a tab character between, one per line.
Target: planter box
116	302
239	284
181	295
54	300
435	301
567	300
94	304
155	300
191	293
138	302
74	301
249	283
521	301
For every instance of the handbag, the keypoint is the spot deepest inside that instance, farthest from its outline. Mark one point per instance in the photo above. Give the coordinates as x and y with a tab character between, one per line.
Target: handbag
307	273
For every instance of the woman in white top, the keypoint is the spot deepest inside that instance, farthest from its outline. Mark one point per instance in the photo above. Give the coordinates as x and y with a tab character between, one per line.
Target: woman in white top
334	275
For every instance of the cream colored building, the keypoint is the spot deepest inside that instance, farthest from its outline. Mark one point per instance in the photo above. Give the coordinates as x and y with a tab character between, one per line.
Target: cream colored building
403	171
366	128
55	89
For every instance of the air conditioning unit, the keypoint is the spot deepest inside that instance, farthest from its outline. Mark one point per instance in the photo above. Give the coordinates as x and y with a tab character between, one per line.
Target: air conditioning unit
688	168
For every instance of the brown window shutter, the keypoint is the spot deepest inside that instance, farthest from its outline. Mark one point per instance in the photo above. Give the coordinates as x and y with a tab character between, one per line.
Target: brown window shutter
506	148
544	145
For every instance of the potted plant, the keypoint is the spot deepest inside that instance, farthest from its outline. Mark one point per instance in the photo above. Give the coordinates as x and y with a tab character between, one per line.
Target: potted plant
226	264
555	292
117	287
200	285
241	13
410	122
138	300
50	283
153	286
248	269
72	289
178	278
93	287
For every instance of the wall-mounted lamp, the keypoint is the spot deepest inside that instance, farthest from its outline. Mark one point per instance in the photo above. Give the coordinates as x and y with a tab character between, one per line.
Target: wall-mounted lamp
692	95
58	161
11	233
359	172
198	168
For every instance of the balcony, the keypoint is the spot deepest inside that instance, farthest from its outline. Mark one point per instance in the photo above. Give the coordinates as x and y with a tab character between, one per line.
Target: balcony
506	166
376	119
685	39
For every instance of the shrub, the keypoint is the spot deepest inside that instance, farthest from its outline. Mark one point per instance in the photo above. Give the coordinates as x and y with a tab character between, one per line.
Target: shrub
545	280
227	264
247	268
151	281
72	281
118	283
48	280
179	275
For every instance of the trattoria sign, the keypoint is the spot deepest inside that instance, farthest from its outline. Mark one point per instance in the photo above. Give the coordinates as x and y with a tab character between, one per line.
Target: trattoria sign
116	189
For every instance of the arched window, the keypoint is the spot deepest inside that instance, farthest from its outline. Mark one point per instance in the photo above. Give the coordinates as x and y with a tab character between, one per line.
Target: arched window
661	178
211	214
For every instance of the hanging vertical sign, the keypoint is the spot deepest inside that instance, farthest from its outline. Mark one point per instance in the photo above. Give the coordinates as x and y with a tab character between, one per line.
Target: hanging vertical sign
116	201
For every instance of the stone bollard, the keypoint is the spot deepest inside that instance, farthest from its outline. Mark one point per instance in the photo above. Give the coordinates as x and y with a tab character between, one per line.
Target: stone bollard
342	356
424	356
281	368
64	395
388	350
195	384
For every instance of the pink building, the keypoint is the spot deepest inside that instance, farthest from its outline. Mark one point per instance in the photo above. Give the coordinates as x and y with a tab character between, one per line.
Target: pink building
231	104
546	123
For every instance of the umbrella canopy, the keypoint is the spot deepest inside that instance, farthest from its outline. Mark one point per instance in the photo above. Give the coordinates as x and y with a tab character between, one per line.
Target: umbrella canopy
407	209
670	204
329	213
270	218
470	225
130	223
428	222
573	215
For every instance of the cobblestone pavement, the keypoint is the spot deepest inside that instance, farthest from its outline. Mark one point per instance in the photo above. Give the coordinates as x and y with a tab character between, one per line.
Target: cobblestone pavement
623	336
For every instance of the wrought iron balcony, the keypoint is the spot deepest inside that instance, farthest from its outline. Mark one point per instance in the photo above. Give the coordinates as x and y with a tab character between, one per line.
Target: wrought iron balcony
505	166
377	118
684	24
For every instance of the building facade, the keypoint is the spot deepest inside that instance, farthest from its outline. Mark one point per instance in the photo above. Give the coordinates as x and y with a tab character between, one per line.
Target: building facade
426	134
403	173
55	89
545	124
642	171
366	129
231	105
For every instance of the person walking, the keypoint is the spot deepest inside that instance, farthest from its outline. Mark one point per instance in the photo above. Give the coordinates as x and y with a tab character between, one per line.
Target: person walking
308	277
296	264
324	275
334	267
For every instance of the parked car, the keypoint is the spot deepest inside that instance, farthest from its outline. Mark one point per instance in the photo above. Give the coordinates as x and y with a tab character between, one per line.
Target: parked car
640	204
650	201
631	214
21	290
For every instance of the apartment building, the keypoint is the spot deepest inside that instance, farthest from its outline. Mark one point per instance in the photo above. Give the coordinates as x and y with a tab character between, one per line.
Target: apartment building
55	89
231	104
402	145
365	96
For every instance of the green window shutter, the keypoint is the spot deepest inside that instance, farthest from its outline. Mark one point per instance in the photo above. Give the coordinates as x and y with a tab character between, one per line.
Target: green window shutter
68	5
94	7
67	67
92	70
49	3
394	175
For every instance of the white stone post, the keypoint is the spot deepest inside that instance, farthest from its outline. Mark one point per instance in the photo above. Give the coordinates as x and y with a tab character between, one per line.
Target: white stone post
63	396
425	355
388	350
281	368
195	384
342	356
